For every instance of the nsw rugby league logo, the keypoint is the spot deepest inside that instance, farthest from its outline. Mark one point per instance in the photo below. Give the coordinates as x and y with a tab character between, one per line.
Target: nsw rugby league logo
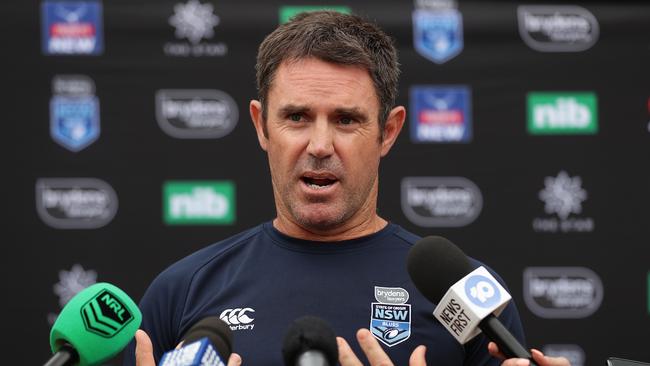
390	318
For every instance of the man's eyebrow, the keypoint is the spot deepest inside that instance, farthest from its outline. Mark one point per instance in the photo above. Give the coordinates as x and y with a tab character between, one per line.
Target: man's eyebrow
353	112
291	109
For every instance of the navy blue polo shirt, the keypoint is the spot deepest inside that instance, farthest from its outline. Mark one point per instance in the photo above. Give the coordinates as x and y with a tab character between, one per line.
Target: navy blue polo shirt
261	280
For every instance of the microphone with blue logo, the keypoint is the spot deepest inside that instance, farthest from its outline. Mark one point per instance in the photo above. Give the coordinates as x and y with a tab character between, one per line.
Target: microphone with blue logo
469	300
207	343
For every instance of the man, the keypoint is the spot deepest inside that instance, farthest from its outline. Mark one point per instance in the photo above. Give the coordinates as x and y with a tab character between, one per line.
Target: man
327	85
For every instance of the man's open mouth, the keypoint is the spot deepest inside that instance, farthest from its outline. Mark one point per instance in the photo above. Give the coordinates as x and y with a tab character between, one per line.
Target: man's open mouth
319	182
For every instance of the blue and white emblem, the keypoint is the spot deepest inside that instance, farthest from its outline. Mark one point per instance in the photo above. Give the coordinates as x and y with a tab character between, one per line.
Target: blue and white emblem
74	112
441	113
438	35
72	27
390	320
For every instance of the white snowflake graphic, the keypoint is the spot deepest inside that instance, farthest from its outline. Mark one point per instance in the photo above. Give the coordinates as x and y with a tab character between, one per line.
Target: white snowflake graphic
73	281
194	20
563	195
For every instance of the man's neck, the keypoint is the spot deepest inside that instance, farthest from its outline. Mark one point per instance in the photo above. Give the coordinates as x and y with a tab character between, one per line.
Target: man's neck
346	232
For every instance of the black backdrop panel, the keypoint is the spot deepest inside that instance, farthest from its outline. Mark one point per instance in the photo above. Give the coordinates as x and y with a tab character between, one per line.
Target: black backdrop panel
560	212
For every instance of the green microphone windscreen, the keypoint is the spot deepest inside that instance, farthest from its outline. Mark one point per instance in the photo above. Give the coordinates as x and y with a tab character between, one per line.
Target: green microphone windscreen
98	322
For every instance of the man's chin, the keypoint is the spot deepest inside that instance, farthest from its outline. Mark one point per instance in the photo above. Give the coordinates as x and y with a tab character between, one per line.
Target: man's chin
319	220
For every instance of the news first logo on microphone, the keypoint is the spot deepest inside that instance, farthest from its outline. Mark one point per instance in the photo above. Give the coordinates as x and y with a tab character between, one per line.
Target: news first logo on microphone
468	301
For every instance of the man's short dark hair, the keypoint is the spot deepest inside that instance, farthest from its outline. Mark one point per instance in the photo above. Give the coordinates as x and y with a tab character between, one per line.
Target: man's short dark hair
332	37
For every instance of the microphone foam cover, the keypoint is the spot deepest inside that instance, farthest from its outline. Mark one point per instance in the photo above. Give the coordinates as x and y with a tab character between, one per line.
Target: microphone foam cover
217	332
98	322
435	264
309	333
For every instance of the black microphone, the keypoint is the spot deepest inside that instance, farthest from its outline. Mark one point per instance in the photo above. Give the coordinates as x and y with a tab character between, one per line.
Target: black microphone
310	342
440	271
205	338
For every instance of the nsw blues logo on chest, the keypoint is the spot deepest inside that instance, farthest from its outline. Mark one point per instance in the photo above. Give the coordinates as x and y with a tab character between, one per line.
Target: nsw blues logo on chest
390	318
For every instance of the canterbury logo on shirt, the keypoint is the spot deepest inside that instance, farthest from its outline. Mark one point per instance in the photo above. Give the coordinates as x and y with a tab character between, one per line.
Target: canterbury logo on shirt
238	318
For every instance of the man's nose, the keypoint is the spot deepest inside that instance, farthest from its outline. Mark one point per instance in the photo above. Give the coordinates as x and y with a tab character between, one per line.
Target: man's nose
321	139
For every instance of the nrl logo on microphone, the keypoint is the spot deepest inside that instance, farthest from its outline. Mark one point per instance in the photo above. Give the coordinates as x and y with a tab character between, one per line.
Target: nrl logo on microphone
105	314
390	318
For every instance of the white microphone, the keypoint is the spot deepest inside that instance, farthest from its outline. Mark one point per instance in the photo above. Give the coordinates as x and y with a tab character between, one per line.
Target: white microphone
469	301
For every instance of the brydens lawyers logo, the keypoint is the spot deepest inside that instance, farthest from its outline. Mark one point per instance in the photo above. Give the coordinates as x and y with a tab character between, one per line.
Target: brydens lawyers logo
562	292
390	318
441	201
72	28
563	196
572	352
75	203
562	113
557	28
437	30
441	114
194	21
238	318
74	112
196	113
199	202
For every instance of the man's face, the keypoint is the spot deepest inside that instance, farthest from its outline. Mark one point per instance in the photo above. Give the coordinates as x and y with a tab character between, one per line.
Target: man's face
323	142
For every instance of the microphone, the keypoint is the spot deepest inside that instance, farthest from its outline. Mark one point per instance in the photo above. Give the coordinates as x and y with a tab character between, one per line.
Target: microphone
310	341
468	299
207	343
95	325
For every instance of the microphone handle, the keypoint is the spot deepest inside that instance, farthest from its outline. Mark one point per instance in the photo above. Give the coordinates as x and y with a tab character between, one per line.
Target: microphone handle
508	344
65	356
312	358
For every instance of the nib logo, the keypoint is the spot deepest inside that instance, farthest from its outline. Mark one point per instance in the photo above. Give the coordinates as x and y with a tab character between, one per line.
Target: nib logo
199	202
562	113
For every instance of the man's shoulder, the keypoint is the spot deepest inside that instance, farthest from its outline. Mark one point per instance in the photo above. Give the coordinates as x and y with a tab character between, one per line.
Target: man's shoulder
406	236
188	266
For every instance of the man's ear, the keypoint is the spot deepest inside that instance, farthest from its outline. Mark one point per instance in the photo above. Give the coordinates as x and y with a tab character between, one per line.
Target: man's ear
255	109
392	128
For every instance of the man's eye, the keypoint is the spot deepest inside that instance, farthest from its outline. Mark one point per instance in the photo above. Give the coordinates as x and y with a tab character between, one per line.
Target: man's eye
295	117
346	120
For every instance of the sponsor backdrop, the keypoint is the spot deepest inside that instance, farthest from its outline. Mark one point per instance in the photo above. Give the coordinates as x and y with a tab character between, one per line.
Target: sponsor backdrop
526	144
